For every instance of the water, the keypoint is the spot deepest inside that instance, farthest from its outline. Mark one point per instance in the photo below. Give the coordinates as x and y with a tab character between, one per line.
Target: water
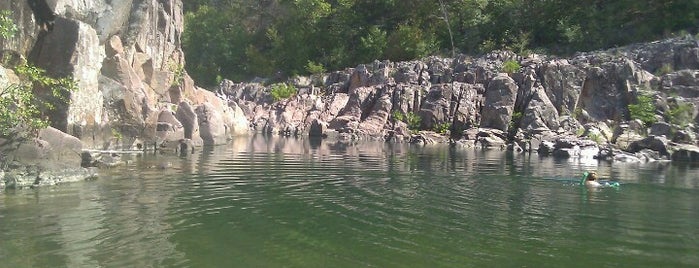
264	202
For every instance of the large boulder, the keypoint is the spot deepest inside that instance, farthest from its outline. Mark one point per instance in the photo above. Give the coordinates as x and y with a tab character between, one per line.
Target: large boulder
211	125
73	49
686	153
539	112
500	97
659	144
562	83
609	89
51	158
374	124
169	129
190	122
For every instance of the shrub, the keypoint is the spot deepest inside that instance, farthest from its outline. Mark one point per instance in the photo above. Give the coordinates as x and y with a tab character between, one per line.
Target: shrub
643	110
315	68
282	91
398	116
514	121
413	121
665	69
8	29
178	74
681	114
511	66
22	110
442	128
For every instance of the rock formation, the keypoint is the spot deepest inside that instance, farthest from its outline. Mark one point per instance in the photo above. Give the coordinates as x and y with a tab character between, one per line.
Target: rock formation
127	59
565	107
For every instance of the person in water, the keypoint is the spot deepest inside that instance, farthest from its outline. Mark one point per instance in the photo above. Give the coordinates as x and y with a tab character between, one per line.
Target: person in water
592	180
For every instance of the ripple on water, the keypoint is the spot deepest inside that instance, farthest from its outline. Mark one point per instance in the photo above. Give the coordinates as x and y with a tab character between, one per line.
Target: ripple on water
345	206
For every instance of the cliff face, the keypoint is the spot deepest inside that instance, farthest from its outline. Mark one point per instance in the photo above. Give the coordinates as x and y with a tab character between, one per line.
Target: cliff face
127	59
549	104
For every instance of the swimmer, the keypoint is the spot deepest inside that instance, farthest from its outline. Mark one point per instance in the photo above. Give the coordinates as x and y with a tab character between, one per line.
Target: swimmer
591	180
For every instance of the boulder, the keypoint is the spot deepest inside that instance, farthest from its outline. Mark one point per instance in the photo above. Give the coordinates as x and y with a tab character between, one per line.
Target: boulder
500	97
211	125
318	128
375	123
656	143
73	49
686	153
169	128
562	83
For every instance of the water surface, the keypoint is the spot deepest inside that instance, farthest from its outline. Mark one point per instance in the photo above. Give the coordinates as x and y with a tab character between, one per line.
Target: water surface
269	202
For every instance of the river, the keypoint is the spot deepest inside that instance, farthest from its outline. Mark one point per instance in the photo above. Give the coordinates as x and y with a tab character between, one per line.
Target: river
275	202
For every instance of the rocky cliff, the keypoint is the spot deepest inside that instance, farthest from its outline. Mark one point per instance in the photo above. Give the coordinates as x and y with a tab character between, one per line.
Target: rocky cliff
126	57
550	105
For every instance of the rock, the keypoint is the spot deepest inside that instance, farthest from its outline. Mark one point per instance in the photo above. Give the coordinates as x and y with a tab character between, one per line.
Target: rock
539	112
427	137
648	155
684	83
190	122
562	83
655	143
318	128
375	123
211	126
65	150
608	88
661	129
169	128
73	49
499	103
686	153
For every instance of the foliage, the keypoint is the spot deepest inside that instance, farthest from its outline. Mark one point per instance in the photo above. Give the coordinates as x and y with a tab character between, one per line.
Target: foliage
442	128
178	73
282	91
116	134
315	68
511	66
8	29
411	119
26	106
597	138
243	39
643	110
516	117
680	114
398	116
665	69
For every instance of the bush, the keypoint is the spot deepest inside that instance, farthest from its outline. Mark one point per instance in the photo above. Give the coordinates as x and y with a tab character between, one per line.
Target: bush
681	114
21	110
315	68
442	128
8	29
282	91
398	116
665	69
511	66
643	110
412	119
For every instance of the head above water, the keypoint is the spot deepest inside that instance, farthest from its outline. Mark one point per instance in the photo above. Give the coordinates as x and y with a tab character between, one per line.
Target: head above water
592	176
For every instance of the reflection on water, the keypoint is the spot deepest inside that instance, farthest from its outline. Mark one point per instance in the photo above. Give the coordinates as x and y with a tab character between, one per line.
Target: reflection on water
275	202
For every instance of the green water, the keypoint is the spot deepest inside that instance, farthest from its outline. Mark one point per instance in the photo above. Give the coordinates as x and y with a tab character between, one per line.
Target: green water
263	202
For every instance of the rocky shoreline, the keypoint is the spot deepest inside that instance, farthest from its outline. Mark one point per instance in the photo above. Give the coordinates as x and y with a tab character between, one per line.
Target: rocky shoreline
134	95
550	106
